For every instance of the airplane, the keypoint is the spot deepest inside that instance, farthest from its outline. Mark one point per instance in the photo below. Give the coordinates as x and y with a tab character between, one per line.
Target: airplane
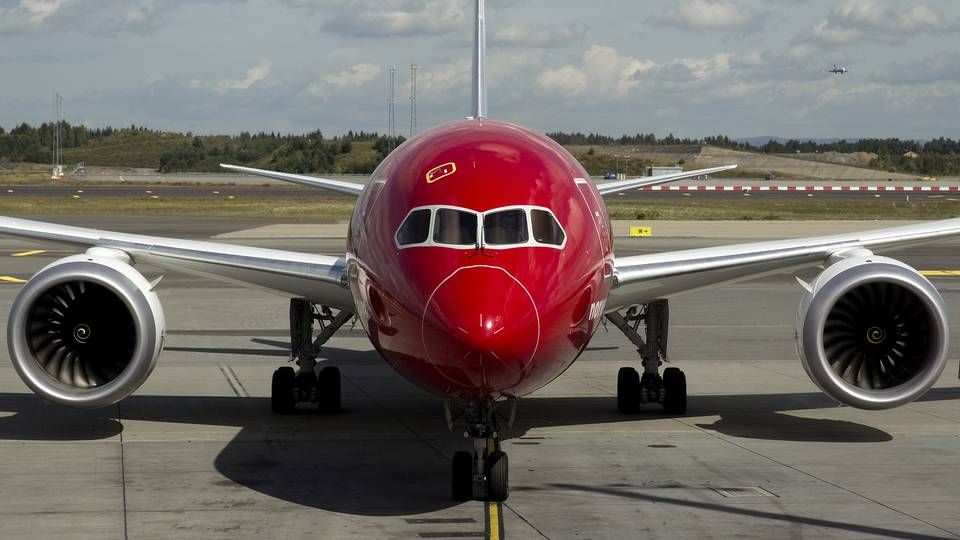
837	70
480	262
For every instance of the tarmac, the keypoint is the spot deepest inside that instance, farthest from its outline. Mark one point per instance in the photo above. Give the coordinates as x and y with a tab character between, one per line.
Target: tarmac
196	453
708	191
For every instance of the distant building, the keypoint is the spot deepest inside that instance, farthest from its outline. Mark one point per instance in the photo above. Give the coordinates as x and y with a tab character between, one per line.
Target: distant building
911	155
655	171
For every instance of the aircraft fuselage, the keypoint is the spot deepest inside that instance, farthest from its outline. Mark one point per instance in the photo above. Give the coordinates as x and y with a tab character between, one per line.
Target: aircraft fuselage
461	278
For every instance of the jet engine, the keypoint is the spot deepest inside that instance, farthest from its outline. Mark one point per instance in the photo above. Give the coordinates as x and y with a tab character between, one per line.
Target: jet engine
86	330
872	332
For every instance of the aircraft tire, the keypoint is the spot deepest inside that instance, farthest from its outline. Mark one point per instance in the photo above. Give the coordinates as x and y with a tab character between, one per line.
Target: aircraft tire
498	477
462	477
328	390
675	388
281	390
628	390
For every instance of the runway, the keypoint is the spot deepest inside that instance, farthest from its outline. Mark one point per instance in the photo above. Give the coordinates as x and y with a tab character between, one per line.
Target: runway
682	191
196	453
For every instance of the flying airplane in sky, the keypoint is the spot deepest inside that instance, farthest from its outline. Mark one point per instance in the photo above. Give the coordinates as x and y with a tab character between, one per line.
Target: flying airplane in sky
837	70
480	262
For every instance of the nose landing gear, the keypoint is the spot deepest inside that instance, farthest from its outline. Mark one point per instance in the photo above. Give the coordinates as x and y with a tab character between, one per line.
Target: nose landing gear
633	389
483	474
306	385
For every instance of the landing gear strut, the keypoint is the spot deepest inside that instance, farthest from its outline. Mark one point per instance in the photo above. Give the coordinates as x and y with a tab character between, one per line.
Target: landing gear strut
484	473
634	389
306	385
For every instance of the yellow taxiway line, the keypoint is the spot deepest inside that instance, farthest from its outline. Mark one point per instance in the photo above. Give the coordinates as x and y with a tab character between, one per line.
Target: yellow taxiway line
494	523
11	279
29	253
494	515
941	273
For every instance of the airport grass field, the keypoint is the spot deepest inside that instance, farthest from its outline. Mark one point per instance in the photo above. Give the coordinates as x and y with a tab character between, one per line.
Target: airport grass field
336	208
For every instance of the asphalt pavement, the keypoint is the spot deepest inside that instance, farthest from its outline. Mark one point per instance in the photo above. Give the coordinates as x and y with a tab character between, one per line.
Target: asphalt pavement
196	453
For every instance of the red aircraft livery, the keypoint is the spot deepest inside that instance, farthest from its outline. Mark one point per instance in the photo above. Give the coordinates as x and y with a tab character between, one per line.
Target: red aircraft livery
494	299
480	263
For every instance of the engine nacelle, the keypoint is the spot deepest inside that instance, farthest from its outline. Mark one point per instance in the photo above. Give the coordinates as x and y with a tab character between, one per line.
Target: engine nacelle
873	333
86	330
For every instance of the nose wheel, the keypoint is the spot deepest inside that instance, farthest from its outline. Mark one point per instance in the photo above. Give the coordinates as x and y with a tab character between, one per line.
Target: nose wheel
483	474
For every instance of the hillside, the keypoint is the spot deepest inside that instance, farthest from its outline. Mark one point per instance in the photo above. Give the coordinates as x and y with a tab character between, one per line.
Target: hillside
791	166
138	148
827	166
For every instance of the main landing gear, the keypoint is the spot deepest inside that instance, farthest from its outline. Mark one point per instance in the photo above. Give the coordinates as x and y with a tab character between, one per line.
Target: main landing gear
306	385
484	473
634	389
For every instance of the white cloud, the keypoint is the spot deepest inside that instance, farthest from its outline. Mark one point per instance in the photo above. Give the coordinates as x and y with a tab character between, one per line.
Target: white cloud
392	18
940	68
447	77
565	81
355	75
352	77
100	18
254	75
517	35
879	20
27	15
710	15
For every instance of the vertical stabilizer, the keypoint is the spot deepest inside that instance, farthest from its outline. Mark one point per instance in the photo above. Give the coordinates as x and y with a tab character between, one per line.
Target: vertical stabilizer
480	64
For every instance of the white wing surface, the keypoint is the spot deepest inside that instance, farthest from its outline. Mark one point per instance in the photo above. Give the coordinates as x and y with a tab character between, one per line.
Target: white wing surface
641	278
609	188
316	277
339	186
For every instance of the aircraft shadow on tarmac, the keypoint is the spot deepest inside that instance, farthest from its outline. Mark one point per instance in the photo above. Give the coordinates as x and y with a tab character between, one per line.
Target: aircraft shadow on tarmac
399	466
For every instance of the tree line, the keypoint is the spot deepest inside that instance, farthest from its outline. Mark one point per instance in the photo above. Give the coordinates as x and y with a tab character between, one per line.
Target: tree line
939	156
313	152
309	153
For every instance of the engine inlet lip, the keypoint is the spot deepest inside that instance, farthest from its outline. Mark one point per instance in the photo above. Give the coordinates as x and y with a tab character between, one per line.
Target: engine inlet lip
843	283
37	378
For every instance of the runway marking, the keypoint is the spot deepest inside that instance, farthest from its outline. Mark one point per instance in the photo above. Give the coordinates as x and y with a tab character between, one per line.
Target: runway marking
493	510
940	273
29	253
11	279
494	521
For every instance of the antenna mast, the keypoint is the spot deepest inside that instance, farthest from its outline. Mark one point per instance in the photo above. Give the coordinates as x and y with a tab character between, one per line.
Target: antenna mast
57	149
392	109
413	99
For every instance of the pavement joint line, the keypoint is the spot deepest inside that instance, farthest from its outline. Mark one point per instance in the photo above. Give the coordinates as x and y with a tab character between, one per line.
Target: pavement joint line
525	520
828	482
123	474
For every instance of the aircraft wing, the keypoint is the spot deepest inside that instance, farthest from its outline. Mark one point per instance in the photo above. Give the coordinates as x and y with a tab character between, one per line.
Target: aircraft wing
322	279
347	188
609	188
642	278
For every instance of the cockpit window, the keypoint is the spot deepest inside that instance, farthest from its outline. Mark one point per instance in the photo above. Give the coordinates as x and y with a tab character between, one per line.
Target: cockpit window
455	227
505	228
546	230
415	229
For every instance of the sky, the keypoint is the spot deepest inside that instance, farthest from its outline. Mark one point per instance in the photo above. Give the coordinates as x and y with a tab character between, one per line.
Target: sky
689	67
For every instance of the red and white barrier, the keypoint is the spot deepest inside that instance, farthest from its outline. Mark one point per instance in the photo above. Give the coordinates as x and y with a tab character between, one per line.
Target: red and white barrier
905	189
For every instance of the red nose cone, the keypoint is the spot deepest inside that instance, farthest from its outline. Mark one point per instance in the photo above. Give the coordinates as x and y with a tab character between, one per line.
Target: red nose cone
481	329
